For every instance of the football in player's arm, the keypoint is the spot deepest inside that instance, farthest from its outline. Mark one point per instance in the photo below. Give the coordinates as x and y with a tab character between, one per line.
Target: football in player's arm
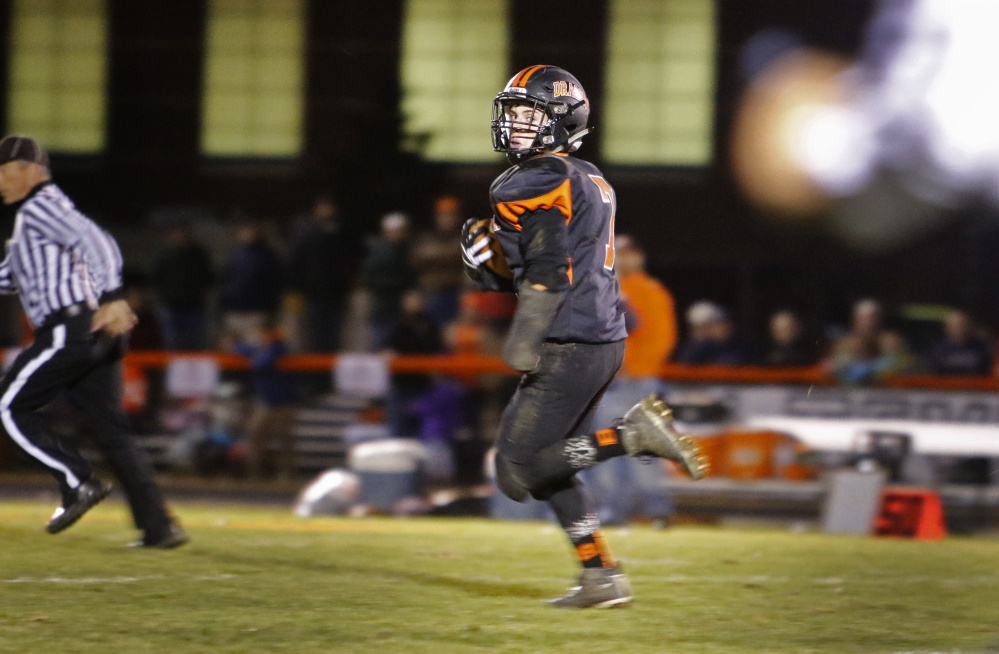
485	263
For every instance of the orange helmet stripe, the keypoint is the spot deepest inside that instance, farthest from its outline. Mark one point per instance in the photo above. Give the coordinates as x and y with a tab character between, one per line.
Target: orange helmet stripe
520	75
525	74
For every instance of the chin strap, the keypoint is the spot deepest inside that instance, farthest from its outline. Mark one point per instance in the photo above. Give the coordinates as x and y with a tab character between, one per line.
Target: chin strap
535	313
575	141
573	144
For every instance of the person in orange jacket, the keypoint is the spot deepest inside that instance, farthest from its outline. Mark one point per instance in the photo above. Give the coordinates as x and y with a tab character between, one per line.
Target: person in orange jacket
639	488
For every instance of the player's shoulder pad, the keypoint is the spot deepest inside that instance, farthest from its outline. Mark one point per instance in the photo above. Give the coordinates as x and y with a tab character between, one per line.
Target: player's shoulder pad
531	179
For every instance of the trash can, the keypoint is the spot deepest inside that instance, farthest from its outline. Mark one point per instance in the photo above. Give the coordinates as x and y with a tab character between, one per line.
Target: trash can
390	470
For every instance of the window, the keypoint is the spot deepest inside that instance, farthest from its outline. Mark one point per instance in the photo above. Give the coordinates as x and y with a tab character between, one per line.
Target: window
660	82
58	73
454	62
254	72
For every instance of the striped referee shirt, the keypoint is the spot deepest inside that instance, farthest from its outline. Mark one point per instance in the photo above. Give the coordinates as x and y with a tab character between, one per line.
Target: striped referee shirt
57	257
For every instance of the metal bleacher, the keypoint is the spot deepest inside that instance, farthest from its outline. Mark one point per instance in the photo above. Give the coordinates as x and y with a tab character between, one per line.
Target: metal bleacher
323	430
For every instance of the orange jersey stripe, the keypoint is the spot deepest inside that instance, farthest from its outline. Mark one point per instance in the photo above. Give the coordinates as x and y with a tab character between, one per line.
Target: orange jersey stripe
558	198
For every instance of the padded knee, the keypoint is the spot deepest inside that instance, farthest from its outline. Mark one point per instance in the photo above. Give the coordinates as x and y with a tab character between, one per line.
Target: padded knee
507	480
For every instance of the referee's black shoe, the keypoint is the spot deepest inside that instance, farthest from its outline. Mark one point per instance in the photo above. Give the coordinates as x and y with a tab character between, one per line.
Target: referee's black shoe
83	498
163	539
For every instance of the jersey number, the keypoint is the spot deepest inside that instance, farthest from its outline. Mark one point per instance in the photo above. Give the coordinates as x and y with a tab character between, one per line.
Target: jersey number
607	194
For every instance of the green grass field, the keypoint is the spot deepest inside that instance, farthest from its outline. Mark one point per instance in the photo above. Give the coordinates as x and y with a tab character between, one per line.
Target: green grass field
264	581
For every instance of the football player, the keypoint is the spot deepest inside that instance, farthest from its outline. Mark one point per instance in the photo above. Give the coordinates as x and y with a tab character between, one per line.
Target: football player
554	220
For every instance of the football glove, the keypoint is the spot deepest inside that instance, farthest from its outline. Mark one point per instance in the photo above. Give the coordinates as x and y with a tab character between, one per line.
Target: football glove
483	258
475	241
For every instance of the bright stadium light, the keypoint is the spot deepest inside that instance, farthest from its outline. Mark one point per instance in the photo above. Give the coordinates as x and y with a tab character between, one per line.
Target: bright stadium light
911	122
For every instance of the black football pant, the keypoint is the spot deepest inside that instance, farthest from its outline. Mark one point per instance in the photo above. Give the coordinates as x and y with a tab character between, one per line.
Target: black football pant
65	356
552	404
552	407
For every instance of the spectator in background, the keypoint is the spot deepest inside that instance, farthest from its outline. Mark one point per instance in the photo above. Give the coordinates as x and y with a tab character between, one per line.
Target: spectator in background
789	346
475	331
321	272
407	409
960	351
274	400
251	282
138	387
436	260
697	317
869	352
626	486
481	326
479	330
414	331
182	276
386	275
713	339
146	335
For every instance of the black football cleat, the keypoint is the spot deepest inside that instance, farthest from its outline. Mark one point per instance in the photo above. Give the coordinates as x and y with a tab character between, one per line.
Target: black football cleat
83	498
167	539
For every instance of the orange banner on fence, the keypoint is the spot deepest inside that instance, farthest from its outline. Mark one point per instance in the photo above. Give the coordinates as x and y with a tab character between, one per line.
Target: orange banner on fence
464	364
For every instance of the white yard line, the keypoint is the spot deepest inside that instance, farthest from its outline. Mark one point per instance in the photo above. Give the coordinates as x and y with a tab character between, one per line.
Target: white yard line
106	580
977	580
760	580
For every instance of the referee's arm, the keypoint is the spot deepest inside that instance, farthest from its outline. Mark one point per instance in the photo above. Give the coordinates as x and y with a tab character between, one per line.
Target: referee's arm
73	230
7	282
113	316
107	268
104	260
102	256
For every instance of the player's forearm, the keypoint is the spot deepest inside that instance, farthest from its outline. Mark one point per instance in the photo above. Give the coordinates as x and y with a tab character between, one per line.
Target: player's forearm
536	309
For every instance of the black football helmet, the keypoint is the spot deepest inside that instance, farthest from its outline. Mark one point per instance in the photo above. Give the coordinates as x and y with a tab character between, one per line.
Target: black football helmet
554	92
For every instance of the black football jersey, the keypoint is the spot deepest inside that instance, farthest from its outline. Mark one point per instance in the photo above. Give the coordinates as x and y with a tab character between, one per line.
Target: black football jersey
554	217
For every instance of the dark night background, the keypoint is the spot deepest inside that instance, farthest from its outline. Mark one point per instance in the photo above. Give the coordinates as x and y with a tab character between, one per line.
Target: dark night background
703	239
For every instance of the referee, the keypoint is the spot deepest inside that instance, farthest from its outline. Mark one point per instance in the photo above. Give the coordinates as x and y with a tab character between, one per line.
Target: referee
67	272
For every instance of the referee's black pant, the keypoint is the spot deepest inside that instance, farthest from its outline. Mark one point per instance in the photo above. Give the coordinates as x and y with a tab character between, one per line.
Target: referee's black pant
66	356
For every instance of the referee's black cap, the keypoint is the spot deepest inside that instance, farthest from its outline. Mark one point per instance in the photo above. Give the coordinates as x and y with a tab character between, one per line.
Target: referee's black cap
22	148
